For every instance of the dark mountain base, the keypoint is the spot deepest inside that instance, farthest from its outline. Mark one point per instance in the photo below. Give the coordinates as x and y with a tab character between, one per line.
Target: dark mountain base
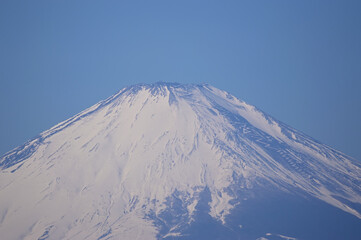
271	216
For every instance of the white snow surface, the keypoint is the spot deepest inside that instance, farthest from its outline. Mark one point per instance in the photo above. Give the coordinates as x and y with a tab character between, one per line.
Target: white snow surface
102	172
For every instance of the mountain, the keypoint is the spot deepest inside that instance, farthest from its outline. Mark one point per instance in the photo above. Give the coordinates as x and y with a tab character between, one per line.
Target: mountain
173	161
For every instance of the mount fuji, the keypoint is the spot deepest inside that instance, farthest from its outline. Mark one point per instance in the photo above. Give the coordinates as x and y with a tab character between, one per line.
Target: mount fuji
174	161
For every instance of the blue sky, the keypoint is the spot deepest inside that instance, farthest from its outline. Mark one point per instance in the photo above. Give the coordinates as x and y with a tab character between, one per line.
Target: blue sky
299	61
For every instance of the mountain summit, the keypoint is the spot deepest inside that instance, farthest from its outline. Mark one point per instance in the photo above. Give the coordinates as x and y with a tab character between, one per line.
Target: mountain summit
173	161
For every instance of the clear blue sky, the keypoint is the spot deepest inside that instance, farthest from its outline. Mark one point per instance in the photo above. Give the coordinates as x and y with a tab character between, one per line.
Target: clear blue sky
298	60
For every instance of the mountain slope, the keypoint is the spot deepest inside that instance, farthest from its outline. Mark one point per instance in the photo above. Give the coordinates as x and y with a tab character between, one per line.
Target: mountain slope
152	160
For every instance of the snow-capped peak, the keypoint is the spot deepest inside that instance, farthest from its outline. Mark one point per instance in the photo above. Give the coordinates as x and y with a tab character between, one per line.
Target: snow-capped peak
113	169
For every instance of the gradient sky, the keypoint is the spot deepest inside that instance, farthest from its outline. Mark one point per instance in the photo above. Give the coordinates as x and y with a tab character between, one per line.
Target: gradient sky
298	60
